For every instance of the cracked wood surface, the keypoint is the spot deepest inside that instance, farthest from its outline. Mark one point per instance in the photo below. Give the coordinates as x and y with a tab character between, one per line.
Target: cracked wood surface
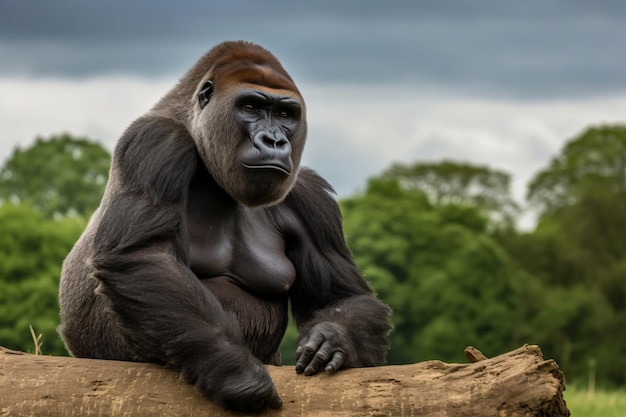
517	383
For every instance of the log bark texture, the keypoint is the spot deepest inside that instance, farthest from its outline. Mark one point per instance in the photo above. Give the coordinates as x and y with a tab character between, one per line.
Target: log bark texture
517	383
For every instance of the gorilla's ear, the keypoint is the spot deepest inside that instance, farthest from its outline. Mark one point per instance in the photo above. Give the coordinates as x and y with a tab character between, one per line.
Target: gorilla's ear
204	96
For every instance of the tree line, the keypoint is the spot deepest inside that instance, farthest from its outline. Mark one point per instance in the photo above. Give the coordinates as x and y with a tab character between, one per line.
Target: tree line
437	241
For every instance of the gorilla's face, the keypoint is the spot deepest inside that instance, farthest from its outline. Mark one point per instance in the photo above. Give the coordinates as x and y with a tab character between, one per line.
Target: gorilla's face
251	139
269	120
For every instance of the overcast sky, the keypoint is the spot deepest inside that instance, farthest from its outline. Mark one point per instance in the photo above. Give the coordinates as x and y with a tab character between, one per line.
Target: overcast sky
501	83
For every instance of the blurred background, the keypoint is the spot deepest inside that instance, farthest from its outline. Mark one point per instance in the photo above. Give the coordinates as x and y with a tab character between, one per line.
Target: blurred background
478	150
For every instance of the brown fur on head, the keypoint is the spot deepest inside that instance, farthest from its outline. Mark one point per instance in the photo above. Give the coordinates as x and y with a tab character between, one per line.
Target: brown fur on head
232	67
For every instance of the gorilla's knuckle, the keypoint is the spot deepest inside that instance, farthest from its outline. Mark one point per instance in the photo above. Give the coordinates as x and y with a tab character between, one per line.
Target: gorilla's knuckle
322	355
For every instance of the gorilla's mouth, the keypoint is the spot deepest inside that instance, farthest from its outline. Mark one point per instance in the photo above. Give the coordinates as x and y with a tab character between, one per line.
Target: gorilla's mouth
276	167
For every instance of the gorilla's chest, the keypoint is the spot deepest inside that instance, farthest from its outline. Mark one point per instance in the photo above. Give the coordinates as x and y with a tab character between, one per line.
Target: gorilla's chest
240	244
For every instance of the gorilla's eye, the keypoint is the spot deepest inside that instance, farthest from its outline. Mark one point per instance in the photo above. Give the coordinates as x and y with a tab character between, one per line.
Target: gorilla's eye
282	113
249	107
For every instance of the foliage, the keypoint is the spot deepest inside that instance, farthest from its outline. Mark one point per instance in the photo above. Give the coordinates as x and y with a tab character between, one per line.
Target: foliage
447	281
458	183
31	251
596	158
60	175
577	254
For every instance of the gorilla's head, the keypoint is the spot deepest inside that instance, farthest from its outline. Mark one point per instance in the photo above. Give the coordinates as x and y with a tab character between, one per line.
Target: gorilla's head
247	118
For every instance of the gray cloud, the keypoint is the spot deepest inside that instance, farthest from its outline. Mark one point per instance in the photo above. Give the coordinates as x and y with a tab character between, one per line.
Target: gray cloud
487	47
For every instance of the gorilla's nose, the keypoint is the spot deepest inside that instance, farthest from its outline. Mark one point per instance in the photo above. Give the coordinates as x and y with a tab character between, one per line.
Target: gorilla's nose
270	140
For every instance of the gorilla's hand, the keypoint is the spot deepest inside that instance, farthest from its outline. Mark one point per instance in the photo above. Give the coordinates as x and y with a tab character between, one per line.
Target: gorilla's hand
246	388
326	346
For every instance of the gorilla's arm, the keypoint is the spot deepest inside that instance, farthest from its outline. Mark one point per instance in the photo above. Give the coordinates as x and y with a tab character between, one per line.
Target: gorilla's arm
140	259
341	323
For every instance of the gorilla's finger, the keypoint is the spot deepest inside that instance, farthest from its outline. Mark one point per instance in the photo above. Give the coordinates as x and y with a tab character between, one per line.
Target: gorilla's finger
299	349
303	361
338	358
315	340
309	351
318	361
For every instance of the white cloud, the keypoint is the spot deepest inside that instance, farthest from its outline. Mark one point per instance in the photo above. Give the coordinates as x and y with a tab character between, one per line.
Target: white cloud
354	131
399	125
99	108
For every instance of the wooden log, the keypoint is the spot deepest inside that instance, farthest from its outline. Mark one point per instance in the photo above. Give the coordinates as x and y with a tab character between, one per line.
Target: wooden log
517	383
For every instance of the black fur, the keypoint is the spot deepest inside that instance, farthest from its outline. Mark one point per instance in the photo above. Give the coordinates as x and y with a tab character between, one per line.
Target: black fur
174	269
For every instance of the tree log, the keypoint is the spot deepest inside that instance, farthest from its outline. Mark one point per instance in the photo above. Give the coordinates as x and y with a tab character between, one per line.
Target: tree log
518	383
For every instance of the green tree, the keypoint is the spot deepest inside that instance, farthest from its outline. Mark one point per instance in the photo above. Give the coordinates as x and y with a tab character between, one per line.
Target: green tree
458	183
60	175
32	249
447	281
595	159
577	255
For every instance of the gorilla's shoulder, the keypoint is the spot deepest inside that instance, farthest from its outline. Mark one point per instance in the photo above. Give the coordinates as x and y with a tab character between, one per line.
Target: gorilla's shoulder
154	137
313	199
312	185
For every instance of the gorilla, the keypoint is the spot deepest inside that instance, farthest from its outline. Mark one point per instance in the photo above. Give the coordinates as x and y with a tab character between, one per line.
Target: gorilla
208	229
